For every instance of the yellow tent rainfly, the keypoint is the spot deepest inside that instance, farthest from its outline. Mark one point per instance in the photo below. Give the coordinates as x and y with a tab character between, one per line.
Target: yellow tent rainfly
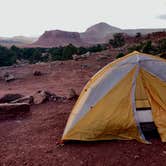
108	107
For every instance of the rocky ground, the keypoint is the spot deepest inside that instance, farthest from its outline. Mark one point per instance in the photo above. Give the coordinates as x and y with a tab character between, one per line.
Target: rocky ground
32	140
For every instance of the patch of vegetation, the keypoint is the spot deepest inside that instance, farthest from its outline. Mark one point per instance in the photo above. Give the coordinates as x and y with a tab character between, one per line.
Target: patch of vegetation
117	41
150	47
7	57
13	55
120	55
138	35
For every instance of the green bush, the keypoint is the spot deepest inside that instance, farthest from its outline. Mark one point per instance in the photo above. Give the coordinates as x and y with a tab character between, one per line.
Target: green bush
33	55
68	51
138	34
119	55
7	57
161	46
145	47
117	41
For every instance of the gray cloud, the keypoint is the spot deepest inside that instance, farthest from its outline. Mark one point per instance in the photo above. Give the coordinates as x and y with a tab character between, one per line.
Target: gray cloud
162	16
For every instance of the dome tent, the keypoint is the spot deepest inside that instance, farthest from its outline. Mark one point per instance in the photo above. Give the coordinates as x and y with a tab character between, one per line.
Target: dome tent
108	106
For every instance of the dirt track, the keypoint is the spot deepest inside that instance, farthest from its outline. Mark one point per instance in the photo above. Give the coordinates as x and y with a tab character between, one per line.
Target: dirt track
32	140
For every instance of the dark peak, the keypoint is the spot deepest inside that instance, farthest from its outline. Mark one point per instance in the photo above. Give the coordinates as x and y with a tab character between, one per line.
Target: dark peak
102	26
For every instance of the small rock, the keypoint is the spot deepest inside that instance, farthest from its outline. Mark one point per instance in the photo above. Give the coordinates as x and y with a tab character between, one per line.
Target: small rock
8	77
72	94
37	73
53	97
59	144
75	57
84	66
136	156
60	99
80	57
102	58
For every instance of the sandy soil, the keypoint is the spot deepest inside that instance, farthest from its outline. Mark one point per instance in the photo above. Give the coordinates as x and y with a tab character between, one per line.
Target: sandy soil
32	140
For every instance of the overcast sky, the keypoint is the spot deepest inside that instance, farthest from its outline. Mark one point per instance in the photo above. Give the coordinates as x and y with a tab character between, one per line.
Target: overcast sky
33	17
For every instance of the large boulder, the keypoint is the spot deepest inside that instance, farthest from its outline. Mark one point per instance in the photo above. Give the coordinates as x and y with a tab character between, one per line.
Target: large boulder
39	97
26	99
7	98
54	97
79	57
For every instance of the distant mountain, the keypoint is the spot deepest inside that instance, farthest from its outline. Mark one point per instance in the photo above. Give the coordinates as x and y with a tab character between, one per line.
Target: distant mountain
24	39
98	33
58	38
142	31
102	28
20	41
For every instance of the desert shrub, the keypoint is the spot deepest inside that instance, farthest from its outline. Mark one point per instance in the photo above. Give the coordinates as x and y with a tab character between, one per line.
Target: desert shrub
117	41
56	53
147	47
68	51
163	55
135	47
7	57
138	34
82	50
119	55
161	46
96	48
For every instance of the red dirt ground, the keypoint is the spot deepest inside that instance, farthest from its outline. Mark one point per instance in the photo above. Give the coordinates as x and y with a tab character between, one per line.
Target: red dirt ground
31	140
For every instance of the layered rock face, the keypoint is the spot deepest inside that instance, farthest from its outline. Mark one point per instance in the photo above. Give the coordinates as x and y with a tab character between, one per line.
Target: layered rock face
58	38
